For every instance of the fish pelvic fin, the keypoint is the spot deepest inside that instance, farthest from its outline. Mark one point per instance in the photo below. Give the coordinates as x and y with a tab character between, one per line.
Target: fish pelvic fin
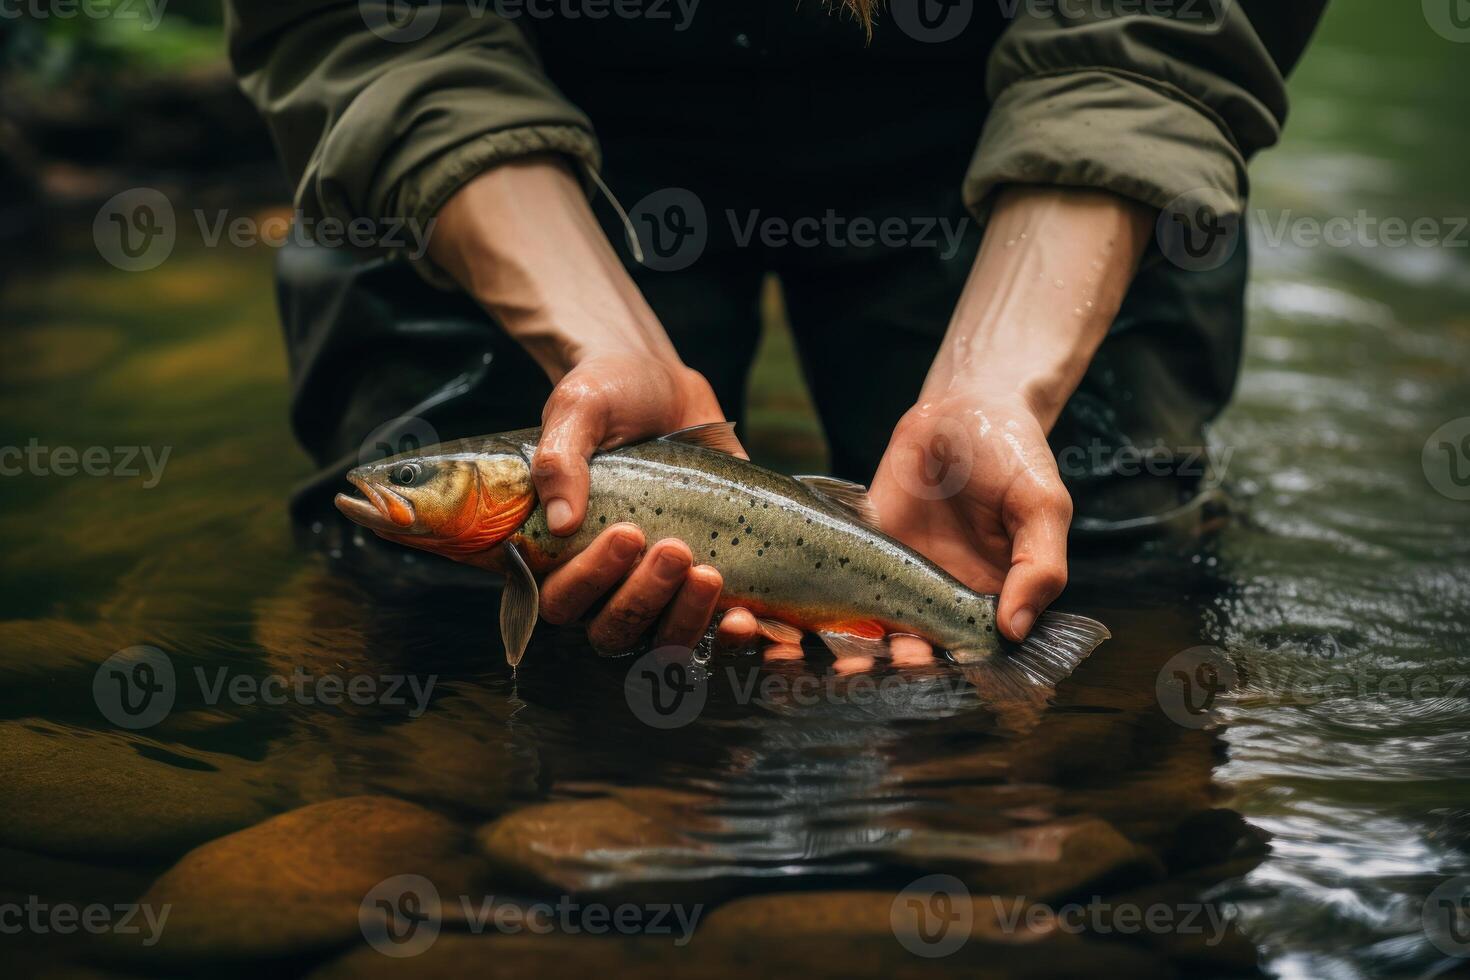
776	631
1029	672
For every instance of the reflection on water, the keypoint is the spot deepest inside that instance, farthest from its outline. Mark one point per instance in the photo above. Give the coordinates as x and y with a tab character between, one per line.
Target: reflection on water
1308	821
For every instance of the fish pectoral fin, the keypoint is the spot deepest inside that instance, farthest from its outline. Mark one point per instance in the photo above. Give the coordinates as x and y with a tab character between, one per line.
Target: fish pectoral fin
777	631
716	436
851	497
853	644
1030	672
519	605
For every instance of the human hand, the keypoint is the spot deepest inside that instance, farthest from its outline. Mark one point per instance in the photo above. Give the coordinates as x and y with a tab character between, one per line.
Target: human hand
604	402
971	483
521	239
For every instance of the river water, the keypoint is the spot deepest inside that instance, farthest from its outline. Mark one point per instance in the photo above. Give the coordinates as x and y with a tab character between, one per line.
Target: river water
1265	769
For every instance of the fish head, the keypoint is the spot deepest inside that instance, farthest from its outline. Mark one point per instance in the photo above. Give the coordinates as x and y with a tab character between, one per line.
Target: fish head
455	504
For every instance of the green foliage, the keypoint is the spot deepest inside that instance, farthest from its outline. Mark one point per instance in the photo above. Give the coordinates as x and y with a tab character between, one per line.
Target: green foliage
64	41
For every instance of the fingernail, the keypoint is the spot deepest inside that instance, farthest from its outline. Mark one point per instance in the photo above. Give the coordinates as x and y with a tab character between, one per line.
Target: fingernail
558	513
1022	620
625	546
671	563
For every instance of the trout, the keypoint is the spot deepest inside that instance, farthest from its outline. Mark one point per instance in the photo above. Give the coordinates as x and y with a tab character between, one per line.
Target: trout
803	554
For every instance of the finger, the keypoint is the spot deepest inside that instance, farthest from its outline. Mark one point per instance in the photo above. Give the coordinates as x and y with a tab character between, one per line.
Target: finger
574	424
853	665
638	602
571	590
1038	571
782	653
906	650
689	615
737	629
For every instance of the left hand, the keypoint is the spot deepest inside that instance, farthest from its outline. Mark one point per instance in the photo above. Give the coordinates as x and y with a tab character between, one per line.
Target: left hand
971	483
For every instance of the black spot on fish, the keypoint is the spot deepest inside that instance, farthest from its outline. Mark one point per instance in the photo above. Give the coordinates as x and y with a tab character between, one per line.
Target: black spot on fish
734	541
632	510
971	620
766	545
759	552
799	542
713	535
843	561
928	602
602	518
989	628
658	510
711	554
740	519
819	564
883	577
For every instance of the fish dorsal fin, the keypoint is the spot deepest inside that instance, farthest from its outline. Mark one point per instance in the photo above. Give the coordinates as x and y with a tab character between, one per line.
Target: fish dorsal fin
717	436
851	497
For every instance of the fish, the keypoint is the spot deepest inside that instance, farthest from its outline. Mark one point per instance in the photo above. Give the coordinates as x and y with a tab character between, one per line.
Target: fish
802	553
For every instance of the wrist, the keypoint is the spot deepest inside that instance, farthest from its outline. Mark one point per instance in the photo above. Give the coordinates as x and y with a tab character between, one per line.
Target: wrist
521	239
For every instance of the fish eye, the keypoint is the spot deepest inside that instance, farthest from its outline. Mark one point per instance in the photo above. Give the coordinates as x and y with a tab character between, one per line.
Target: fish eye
405	474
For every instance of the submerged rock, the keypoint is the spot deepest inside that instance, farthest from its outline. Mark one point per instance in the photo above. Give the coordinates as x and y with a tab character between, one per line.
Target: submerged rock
1037	862
595	844
297	881
739	957
73	792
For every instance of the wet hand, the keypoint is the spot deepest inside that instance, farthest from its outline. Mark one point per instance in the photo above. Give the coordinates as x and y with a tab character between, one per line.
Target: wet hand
971	483
604	402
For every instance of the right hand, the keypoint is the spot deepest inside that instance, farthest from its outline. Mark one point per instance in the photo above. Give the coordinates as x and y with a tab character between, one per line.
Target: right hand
522	240
606	401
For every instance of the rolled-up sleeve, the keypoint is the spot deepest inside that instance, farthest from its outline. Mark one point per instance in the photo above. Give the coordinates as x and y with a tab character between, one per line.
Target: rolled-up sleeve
1148	105
386	119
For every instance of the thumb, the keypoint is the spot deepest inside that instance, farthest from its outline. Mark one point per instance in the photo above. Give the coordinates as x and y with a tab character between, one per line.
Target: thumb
571	431
1038	571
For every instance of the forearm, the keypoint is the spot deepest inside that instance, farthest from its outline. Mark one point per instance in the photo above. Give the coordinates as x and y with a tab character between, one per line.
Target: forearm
1051	274
522	239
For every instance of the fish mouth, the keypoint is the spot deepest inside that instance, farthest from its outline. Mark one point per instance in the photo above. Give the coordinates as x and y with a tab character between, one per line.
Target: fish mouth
378	509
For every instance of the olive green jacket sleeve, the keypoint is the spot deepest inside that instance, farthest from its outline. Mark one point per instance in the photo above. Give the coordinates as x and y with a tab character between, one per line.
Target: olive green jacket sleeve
385	120
1151	106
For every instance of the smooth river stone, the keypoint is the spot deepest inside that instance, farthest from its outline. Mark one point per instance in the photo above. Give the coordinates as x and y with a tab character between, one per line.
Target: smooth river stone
795	916
593	845
78	793
295	882
740	957
1038	862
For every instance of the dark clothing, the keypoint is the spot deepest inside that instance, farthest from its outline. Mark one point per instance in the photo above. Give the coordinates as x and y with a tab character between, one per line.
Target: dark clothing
768	110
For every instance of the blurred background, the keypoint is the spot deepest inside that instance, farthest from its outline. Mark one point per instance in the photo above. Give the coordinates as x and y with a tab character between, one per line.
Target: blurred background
1348	446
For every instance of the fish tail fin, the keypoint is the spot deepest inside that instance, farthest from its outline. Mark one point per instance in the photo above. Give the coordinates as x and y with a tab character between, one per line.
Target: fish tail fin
1029	672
